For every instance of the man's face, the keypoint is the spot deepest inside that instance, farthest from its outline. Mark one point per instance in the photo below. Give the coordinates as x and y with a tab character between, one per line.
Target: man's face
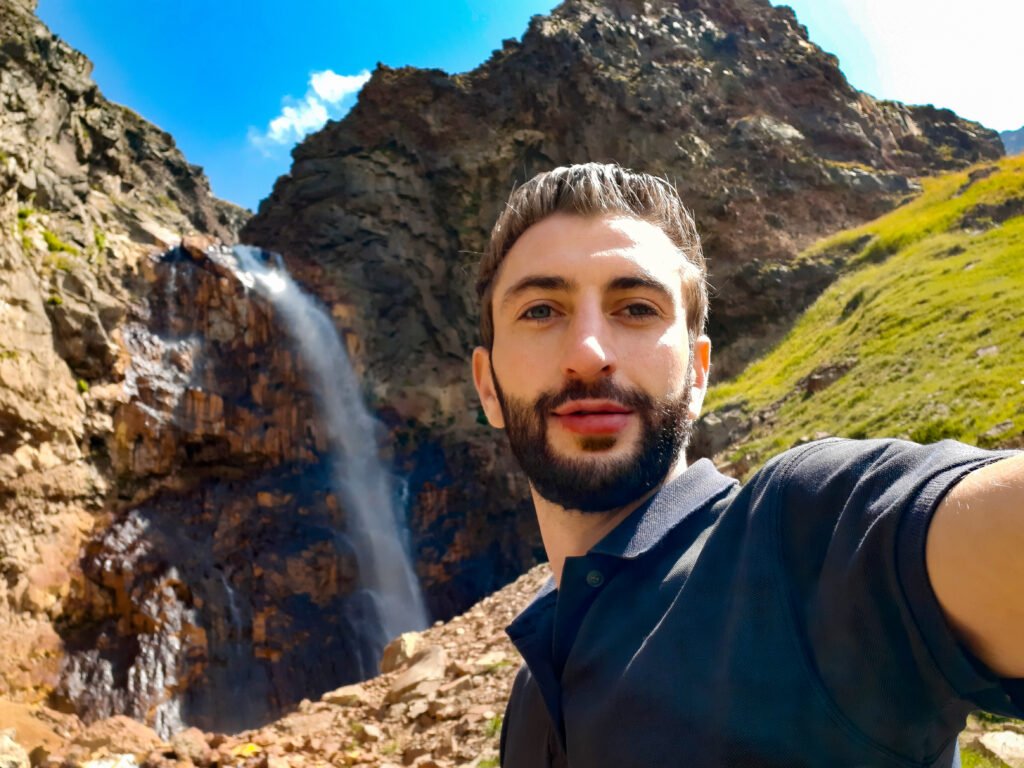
591	370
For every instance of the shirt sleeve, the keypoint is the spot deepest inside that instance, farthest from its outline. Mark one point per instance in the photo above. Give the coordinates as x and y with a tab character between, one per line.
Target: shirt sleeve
852	519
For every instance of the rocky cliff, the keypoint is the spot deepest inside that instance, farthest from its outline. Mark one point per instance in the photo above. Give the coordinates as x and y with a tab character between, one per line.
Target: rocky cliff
170	537
384	212
88	192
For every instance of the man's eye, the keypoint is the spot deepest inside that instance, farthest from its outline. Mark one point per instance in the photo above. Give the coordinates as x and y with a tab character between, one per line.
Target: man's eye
539	312
641	310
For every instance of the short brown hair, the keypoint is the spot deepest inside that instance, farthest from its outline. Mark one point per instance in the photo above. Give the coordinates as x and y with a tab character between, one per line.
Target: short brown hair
594	189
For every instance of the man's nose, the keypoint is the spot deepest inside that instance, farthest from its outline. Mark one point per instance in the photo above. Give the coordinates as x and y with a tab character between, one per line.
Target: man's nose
588	347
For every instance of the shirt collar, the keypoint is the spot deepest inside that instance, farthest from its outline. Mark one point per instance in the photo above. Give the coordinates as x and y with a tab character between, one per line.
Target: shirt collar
649	523
645	526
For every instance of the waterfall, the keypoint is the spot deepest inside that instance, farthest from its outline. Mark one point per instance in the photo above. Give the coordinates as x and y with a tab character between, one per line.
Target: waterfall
388	586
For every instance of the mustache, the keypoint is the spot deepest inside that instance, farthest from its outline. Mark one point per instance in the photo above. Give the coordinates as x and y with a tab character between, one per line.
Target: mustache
602	389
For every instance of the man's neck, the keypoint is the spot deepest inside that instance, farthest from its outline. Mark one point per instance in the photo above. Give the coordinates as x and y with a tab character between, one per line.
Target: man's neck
571	533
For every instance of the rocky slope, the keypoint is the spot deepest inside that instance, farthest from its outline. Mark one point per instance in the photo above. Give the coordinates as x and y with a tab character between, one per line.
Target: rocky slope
439	705
383	213
1013	141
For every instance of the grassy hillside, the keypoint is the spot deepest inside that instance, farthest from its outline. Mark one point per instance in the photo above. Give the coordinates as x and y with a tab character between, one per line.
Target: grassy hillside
923	337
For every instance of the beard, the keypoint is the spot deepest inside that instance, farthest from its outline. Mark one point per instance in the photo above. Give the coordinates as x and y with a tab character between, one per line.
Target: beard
598	484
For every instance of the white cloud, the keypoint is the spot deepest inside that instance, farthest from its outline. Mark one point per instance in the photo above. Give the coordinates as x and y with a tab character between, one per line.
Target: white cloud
325	99
332	87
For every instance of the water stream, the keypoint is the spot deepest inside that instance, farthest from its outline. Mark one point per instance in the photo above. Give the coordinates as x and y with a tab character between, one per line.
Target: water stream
376	527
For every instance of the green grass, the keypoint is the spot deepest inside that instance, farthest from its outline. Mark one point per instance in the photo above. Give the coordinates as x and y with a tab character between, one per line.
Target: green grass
55	245
972	759
931	313
493	727
61	262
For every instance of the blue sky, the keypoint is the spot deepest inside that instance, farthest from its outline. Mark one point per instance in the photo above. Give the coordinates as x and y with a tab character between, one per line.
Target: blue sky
237	83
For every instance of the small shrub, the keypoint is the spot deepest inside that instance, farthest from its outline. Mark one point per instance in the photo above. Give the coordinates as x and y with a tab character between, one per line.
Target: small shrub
99	237
55	300
493	727
83	386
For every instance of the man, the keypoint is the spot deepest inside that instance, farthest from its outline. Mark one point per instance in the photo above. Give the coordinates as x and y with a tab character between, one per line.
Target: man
847	607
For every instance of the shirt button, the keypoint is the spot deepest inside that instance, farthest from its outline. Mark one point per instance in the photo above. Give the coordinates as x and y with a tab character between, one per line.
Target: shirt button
595	578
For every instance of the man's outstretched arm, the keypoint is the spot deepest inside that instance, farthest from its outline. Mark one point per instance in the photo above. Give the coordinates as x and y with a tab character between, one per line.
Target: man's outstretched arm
975	560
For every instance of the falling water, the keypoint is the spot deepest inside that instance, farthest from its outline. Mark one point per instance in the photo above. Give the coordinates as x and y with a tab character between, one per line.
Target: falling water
387	583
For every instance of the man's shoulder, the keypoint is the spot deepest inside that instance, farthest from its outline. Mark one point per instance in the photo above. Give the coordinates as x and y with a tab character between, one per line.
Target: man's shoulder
836	460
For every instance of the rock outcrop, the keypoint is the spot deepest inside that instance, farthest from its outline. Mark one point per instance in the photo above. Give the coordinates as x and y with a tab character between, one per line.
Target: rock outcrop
383	213
88	190
1013	141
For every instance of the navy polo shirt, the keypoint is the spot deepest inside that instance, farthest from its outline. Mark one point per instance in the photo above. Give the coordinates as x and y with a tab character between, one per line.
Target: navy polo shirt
789	622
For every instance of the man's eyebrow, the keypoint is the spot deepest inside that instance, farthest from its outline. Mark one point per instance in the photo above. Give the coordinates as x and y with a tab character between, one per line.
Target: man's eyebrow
537	282
633	282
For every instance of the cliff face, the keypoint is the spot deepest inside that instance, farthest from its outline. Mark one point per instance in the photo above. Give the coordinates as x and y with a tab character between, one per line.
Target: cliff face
384	212
88	191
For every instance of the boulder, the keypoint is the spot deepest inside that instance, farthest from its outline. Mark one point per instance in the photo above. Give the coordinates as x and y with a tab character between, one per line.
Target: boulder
428	666
347	696
401	651
1007	746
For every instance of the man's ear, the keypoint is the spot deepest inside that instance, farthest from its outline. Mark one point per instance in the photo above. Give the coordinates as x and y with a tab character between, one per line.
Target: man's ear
483	380
701	367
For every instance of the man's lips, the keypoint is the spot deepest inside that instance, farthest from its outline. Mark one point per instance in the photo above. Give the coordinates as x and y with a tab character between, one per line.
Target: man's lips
592	417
